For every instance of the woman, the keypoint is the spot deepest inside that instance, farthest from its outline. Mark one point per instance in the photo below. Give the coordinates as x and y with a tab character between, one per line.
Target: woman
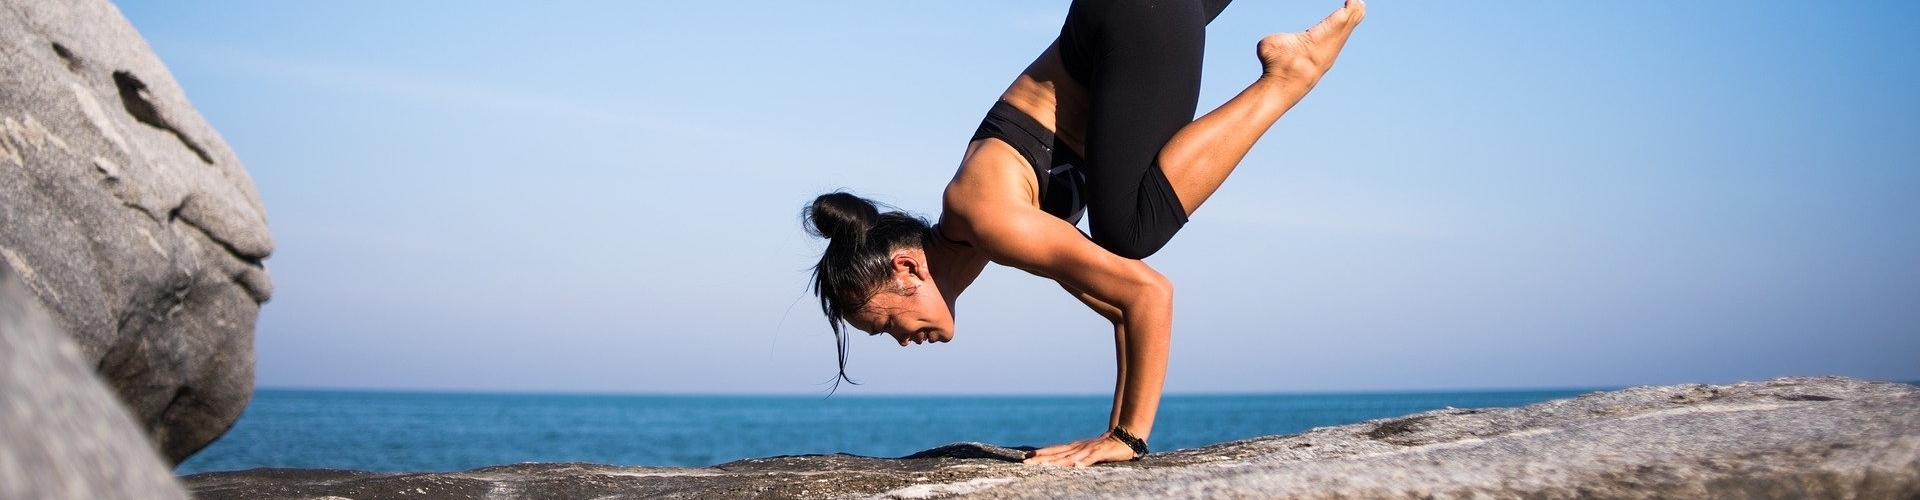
1102	123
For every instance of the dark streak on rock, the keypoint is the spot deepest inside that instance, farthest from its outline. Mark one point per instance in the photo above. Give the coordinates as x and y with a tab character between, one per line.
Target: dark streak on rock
974	450
66	56
1398	427
133	96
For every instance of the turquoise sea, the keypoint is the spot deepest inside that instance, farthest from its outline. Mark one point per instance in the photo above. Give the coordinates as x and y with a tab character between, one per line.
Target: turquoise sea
415	431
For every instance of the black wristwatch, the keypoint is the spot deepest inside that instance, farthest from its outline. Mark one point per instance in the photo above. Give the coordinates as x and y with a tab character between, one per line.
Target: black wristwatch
1139	445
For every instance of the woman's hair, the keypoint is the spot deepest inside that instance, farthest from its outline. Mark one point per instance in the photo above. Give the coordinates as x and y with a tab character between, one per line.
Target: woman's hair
859	256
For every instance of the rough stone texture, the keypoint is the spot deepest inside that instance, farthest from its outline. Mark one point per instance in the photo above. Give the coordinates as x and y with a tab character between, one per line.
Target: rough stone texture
1787	438
129	217
62	435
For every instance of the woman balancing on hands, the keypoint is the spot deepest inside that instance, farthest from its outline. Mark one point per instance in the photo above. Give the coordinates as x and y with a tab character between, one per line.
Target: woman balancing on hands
1101	125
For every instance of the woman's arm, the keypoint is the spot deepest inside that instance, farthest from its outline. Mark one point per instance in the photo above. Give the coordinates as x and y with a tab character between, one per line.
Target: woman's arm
1137	298
1119	346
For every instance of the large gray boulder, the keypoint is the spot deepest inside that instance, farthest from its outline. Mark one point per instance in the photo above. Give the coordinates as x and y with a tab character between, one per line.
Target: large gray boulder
129	218
1785	439
62	434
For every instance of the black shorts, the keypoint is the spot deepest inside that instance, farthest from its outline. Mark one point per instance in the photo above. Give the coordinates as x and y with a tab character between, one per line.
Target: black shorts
1140	62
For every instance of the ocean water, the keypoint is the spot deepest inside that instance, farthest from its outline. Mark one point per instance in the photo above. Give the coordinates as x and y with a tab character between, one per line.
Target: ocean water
413	432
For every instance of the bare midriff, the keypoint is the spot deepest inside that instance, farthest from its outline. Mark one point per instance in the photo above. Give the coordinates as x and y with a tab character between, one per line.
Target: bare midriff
1045	92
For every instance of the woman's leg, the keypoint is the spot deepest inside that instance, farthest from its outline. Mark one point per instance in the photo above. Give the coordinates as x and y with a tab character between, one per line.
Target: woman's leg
1148	162
1199	158
1139	62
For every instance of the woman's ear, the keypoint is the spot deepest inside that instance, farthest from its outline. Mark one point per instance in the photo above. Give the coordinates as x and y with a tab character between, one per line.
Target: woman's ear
908	264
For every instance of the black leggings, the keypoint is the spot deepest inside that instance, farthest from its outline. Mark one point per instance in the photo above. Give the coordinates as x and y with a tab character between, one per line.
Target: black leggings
1140	63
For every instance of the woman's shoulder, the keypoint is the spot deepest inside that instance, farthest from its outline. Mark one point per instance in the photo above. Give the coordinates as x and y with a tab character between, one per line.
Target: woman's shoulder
992	178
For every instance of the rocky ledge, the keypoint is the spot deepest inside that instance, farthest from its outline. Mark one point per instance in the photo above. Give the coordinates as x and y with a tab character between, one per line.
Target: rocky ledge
129	219
1787	438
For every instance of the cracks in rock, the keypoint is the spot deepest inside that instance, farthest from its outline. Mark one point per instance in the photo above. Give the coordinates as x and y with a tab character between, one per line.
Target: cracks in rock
251	277
249	259
173	214
133	96
143	210
178	301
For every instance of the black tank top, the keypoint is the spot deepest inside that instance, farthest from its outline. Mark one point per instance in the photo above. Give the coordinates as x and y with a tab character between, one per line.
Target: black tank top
1053	163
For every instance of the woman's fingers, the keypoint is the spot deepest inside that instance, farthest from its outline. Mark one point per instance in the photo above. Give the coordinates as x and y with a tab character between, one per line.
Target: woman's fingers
1051	451
1051	454
1081	453
1086	454
1065	458
1043	455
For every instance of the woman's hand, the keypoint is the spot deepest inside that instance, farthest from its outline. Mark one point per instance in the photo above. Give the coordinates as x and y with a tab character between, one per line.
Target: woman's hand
1082	453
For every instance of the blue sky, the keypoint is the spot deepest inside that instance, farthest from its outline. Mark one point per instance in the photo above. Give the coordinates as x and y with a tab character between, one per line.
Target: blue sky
604	196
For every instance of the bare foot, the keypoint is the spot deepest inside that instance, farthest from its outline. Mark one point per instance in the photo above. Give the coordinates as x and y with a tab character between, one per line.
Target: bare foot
1305	56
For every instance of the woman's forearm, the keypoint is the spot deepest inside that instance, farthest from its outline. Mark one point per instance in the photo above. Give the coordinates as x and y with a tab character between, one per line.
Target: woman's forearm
1143	340
1139	372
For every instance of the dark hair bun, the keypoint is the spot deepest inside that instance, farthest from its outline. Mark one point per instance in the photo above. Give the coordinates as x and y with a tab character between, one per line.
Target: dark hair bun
841	215
856	262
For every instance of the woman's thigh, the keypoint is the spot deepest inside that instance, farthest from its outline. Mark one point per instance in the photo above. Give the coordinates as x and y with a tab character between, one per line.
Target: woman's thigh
1140	64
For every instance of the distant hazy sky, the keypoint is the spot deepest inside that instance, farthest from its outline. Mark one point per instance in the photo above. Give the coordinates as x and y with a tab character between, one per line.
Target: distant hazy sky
604	196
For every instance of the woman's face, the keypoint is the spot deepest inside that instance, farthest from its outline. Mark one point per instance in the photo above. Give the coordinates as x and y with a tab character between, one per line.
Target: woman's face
910	309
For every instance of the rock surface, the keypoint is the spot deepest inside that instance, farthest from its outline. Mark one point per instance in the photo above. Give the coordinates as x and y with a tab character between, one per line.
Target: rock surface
62	434
1787	438
129	217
